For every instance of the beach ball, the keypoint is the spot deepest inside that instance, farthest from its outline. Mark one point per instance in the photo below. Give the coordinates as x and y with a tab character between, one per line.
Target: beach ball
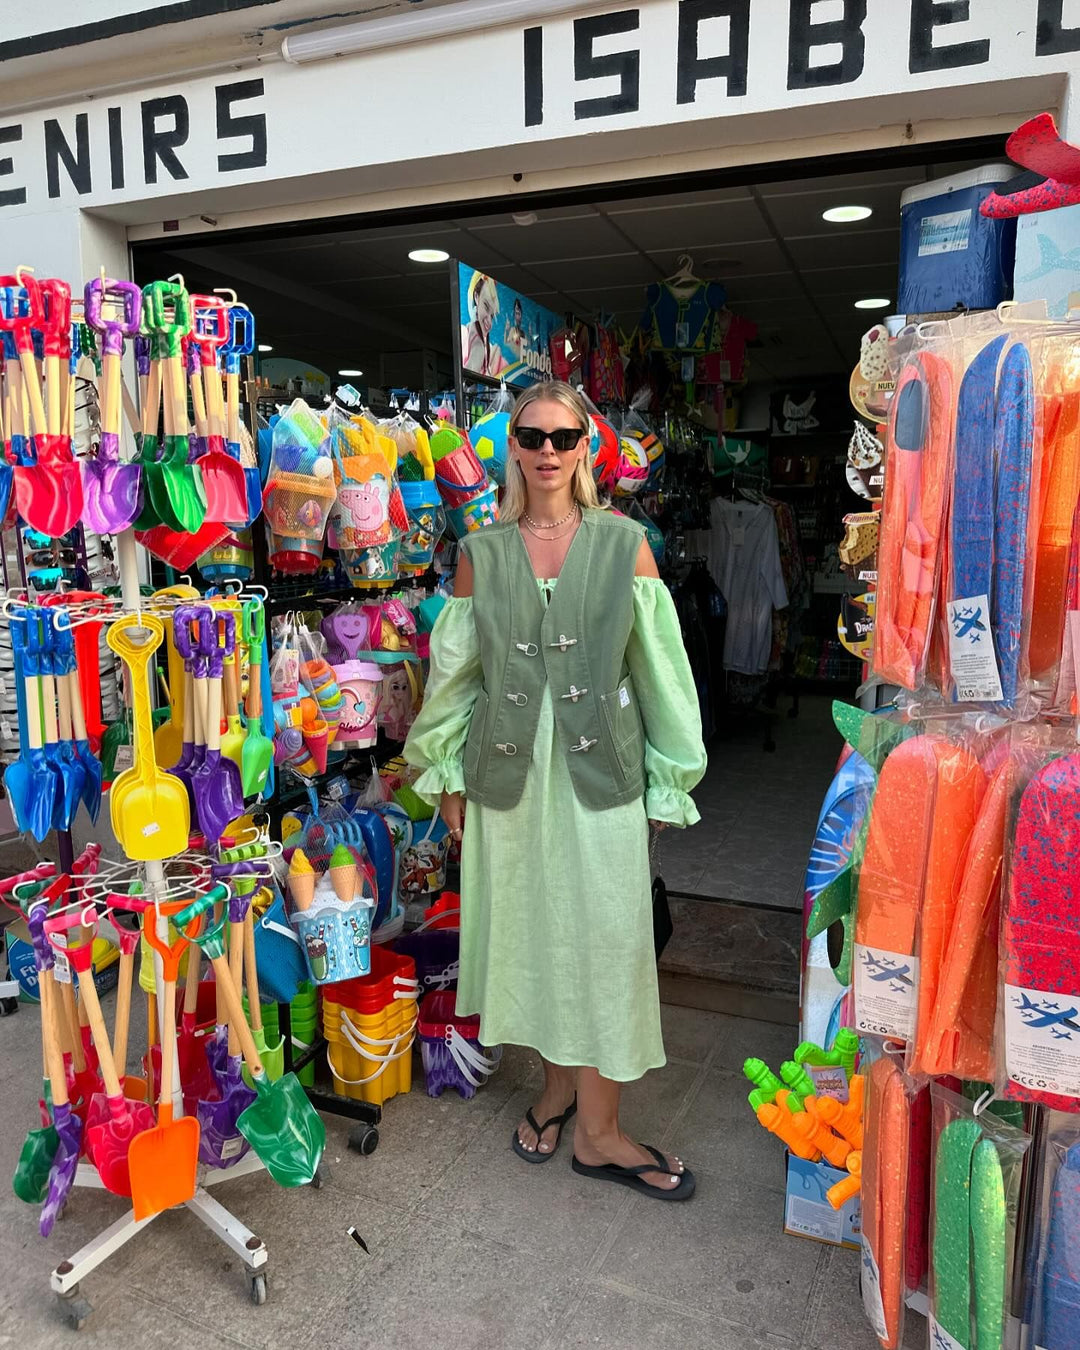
489	438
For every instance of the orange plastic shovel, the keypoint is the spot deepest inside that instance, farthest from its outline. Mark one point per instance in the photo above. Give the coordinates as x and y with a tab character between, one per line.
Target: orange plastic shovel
163	1161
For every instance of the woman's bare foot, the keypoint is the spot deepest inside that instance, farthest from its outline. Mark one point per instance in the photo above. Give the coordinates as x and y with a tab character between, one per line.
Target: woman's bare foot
599	1150
556	1099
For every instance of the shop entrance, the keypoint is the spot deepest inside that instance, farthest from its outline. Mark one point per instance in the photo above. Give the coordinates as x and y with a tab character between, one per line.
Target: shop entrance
777	275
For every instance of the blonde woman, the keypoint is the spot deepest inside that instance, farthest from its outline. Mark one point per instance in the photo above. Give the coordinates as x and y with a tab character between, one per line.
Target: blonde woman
561	708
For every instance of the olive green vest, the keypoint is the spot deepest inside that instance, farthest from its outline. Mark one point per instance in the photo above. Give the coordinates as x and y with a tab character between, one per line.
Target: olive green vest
576	645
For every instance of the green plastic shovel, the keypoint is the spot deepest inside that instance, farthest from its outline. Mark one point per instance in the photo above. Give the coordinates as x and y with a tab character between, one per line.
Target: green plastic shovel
281	1126
258	752
31	1180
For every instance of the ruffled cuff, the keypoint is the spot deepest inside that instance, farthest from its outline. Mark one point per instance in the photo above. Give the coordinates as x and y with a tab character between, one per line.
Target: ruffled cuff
671	806
445	776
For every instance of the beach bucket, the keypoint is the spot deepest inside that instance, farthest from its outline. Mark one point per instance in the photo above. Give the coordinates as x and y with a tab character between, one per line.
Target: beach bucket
427	521
335	938
477	510
451	1050
360	683
370	1026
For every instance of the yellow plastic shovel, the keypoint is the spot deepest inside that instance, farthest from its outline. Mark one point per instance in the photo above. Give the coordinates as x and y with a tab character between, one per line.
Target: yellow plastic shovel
148	808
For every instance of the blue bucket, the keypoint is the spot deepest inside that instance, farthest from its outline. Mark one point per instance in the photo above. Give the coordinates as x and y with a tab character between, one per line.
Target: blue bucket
335	938
478	512
427	521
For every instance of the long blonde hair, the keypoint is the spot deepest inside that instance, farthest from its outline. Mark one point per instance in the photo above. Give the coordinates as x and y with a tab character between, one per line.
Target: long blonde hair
584	485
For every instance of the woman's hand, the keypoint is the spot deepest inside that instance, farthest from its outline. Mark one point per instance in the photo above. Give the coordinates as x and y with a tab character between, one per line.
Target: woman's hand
452	810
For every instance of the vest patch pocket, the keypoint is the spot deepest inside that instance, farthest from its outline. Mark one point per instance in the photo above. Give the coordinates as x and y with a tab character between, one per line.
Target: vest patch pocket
624	726
475	744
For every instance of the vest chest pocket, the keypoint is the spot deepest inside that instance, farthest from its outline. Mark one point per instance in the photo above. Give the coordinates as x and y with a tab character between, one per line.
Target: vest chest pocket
477	727
624	726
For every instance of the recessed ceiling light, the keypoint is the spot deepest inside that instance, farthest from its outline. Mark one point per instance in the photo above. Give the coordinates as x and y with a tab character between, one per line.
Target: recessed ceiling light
875	302
265	347
525	217
428	255
843	215
350	372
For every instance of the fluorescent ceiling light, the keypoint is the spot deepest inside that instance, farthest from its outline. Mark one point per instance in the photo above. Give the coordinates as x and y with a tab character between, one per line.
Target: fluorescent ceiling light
265	347
428	255
843	215
525	217
397	30
350	372
875	302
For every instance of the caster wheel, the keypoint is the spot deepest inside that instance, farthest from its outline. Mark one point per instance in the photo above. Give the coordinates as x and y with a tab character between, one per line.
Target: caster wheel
258	1290
364	1140
8	1006
75	1312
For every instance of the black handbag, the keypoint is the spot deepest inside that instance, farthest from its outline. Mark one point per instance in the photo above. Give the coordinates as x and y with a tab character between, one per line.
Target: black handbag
663	926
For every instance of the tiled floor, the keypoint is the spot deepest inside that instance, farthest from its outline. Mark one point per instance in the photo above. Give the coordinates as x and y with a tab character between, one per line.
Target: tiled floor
469	1247
758	810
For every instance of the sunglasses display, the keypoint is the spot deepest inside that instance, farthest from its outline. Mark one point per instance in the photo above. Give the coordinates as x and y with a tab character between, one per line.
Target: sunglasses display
562	438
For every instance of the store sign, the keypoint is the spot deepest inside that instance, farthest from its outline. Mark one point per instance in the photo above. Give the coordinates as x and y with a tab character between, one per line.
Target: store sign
504	335
671	65
713	45
161	143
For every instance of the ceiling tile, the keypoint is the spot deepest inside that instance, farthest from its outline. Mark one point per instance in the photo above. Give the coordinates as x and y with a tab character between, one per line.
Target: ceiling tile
578	237
857	248
693	228
799	213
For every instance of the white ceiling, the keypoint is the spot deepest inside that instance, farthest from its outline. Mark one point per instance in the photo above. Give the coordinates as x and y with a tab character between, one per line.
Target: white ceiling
339	299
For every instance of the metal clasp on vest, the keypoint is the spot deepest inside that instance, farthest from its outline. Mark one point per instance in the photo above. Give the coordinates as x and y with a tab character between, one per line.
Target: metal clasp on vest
529	648
519	699
574	694
583	744
507	747
563	642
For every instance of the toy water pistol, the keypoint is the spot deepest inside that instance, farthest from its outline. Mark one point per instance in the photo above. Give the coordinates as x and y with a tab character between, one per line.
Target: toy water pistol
844	1053
813	1127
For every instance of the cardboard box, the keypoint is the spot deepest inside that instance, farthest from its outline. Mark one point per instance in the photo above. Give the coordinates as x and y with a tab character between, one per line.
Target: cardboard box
808	1214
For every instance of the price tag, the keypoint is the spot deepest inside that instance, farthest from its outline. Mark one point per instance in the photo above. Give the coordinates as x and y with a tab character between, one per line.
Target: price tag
125	759
61	965
738	536
1042	1040
886	989
971	651
873	1304
7	730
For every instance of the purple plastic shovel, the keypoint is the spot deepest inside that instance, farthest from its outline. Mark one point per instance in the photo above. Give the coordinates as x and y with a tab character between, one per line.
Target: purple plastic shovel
112	490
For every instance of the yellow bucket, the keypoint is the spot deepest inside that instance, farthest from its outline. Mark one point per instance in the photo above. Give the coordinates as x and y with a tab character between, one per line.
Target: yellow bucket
370	1054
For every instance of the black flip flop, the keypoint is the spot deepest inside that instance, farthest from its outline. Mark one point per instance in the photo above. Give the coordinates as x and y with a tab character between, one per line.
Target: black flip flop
634	1177
536	1156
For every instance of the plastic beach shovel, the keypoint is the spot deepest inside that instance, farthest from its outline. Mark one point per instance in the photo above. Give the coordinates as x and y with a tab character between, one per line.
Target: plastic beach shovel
31	1180
148	808
282	1126
68	1125
218	791
112	1122
222	1144
112	490
272	1056
167	311
223	477
258	751
163	1161
30	781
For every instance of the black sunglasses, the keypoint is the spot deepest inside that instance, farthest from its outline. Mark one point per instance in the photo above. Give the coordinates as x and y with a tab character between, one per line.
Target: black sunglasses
562	438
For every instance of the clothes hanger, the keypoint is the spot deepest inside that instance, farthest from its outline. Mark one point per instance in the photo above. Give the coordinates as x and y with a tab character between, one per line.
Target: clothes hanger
684	280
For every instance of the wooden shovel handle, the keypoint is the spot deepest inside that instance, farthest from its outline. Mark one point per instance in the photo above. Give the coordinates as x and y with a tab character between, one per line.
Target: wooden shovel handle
236	1016
198	402
71	1016
152	400
32	690
168	1052
53	395
78	717
48	706
40	422
191	983
123	1012
251	972
213	715
89	1000
236	973
63	689
50	1030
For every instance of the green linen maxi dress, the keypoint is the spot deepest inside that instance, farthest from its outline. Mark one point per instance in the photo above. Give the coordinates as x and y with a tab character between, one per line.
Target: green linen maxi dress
556	904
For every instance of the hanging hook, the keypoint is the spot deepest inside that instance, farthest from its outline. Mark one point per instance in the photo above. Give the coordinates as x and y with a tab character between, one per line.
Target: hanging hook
178	277
983	1103
22	267
227	291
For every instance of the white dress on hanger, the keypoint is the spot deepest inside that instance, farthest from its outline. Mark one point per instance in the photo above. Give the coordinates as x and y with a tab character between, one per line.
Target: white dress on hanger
743	553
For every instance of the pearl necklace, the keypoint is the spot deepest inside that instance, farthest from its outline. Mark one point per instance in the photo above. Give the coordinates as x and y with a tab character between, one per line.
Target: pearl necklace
554	525
550	538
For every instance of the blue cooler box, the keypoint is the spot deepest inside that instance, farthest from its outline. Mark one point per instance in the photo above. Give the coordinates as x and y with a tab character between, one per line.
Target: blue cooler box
950	255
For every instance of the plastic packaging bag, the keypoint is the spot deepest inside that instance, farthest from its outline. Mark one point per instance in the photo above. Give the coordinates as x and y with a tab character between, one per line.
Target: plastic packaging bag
470	498
919	446
639	447
414	449
368	519
489	435
300	490
886	1146
1039	1029
978	1162
1055	1244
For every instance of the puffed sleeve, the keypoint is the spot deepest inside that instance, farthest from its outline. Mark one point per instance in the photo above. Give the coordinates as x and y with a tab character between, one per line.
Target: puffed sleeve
436	742
674	751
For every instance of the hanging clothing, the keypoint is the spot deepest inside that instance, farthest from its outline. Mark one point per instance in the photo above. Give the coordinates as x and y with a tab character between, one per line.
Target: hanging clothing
743	553
556	913
677	320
